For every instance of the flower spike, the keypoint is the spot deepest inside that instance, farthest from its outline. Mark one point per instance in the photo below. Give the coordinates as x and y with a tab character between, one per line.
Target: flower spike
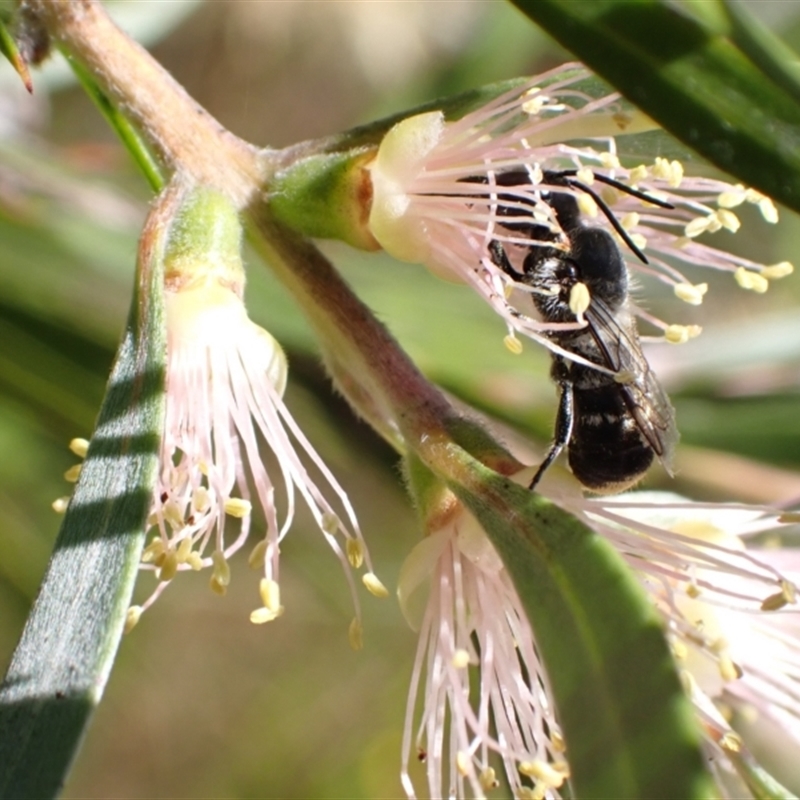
225	381
480	700
446	193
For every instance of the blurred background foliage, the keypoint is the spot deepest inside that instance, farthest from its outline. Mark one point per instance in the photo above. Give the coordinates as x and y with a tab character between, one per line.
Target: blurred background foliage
201	702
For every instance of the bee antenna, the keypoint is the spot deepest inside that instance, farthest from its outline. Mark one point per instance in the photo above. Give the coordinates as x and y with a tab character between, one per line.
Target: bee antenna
623	187
610	216
649	198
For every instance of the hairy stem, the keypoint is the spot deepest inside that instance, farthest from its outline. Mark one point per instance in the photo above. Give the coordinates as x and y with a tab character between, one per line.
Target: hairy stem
183	134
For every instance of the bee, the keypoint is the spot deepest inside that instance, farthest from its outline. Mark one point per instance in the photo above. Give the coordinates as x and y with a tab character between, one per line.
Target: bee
615	419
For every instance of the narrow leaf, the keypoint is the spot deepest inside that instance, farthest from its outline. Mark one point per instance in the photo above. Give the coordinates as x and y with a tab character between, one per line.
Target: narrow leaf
123	127
692	80
61	665
9	48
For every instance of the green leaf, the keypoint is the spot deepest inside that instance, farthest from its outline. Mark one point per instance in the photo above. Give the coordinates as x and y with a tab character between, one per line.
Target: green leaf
9	48
123	127
629	728
693	80
61	665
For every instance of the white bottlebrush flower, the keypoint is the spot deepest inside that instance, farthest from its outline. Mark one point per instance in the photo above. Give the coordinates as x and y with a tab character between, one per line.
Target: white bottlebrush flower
445	192
474	618
728	611
225	417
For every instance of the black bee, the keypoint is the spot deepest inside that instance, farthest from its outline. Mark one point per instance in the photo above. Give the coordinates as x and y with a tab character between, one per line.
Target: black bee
616	419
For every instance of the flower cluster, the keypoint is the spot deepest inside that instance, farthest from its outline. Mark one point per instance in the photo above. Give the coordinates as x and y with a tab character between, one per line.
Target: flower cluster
442	195
729	611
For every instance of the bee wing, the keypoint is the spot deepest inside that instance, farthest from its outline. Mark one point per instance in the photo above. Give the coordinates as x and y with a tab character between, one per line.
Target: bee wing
646	400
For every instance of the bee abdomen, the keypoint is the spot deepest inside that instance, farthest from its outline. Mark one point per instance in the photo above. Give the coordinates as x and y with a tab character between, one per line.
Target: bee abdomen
607	451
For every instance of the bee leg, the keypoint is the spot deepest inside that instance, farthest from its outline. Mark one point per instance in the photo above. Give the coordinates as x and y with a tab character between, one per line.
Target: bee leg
564	419
500	259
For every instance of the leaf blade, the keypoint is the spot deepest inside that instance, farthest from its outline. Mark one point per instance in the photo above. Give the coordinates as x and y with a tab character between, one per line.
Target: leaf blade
690	79
60	667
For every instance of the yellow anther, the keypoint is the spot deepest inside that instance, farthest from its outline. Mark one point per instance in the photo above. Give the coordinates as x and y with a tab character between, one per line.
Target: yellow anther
752	195
355	634
719	645
680	334
690	293
132	617
184	548
787	595
355	553
80	447
220	573
630	220
587	205
201	499
639	240
513	345
779	270
60	505
173	515
237	507
774	602
533	105
676	174
609	161
562	767
73	473
679	649
270	592
460	659
169	566
579	300
637	174
789	517
330	523
699	225
527	793
751	280
463	763
732	197
557	740
585	175
610	195
374	586
195	560
768	210
669	171
729	670
542	771
693	591
203	467
731	742
488	779
262	615
257	554
728	220
155	549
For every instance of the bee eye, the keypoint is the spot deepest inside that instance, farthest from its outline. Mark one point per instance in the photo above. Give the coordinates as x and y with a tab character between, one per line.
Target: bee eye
568	273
